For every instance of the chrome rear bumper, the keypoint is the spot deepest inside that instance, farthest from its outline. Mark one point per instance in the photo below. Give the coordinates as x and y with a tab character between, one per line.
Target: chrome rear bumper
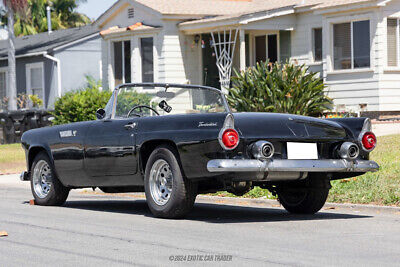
287	165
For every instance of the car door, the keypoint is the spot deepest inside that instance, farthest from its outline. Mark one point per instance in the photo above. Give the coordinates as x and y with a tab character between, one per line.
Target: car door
110	154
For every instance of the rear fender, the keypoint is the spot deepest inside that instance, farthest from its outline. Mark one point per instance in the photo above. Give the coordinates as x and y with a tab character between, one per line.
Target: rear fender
354	126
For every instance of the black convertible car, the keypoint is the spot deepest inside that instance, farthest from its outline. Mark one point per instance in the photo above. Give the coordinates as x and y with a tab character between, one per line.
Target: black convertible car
176	141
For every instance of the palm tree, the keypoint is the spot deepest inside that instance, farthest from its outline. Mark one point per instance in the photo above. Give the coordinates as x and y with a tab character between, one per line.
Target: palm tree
63	16
68	16
13	7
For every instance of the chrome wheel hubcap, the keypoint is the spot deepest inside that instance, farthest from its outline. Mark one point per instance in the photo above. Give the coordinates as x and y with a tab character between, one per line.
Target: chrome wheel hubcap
161	181
42	179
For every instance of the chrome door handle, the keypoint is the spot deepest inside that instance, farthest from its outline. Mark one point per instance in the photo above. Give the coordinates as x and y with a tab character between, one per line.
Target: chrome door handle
130	126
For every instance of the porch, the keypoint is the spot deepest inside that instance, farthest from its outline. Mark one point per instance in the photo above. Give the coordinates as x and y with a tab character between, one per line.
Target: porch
236	46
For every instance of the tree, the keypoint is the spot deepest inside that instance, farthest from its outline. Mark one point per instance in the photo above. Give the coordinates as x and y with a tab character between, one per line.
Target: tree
67	14
13	7
63	16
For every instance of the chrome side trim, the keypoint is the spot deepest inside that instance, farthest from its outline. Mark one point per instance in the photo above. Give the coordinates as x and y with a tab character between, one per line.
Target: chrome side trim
279	165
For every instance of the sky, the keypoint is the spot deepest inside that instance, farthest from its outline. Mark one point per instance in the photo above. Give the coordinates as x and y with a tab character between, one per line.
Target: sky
94	8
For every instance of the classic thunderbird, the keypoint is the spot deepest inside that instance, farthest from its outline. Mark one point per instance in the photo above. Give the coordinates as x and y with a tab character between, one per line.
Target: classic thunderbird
176	141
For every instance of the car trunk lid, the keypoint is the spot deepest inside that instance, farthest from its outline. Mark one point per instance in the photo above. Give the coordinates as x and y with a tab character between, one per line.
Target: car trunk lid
288	127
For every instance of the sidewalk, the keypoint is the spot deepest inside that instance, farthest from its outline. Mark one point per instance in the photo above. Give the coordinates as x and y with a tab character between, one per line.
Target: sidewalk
385	128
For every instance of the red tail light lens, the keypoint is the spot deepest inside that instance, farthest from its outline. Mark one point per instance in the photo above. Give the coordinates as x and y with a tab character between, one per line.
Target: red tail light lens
230	138
369	141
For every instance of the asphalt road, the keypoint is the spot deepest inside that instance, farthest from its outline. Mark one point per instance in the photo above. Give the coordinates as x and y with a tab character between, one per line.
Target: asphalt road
98	230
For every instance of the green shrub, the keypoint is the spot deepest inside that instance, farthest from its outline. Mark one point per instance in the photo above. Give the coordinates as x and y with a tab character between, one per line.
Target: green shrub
80	105
279	87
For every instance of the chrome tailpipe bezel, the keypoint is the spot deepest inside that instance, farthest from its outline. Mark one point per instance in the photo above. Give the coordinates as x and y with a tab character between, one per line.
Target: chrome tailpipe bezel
349	151
262	150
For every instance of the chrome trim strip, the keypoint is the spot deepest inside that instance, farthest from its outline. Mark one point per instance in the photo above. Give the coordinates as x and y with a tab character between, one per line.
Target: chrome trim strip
279	165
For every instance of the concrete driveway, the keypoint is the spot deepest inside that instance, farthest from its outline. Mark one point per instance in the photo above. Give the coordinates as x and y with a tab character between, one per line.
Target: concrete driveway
98	230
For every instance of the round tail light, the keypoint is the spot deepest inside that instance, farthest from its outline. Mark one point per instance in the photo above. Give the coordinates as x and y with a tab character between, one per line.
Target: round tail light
369	141
230	138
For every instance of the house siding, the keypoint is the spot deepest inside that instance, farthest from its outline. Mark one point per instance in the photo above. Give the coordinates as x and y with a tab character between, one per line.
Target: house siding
21	64
77	61
347	88
171	59
179	60
389	89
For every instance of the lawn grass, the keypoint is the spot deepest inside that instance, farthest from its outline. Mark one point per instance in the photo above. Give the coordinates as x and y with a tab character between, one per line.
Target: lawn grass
12	159
382	187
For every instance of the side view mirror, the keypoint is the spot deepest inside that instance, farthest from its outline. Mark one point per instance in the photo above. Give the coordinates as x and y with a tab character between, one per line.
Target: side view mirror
100	114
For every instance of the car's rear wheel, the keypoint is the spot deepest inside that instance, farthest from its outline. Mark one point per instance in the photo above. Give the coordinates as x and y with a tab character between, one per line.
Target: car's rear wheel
168	193
305	197
46	188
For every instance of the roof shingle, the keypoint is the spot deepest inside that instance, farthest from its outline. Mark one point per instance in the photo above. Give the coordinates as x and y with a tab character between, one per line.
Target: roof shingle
44	42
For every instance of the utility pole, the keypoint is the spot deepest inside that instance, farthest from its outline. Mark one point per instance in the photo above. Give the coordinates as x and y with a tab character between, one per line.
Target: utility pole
12	82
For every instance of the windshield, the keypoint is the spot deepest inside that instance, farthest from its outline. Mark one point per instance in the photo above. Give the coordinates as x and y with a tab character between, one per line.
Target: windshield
135	101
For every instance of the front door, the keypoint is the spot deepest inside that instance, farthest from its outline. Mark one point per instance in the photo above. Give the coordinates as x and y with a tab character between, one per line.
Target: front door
273	48
110	151
261	45
210	69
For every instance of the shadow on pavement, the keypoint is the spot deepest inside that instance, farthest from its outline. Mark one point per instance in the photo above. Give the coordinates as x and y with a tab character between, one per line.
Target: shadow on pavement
212	213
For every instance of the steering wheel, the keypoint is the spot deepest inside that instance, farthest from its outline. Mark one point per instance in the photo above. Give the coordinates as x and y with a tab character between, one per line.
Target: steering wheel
140	108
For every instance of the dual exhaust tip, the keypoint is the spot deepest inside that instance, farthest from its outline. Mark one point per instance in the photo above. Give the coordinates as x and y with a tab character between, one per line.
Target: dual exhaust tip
265	150
349	150
262	150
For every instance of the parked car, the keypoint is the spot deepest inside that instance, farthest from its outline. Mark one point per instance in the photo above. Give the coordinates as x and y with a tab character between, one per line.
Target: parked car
176	141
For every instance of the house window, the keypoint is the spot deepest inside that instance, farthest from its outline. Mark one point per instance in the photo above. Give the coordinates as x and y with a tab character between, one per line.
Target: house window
122	62
351	42
35	79
393	42
317	44
146	52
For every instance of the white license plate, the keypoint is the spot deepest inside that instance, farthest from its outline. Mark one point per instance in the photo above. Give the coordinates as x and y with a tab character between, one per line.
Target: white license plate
302	150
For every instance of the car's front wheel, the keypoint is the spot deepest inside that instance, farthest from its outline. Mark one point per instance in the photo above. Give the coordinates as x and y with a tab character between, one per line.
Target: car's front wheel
46	188
168	193
305	197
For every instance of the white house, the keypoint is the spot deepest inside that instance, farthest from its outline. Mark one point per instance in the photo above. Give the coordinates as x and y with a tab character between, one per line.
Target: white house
354	44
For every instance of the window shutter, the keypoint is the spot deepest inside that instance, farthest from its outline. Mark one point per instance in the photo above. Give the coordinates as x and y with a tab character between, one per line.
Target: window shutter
147	59
317	33
285	45
392	42
118	63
